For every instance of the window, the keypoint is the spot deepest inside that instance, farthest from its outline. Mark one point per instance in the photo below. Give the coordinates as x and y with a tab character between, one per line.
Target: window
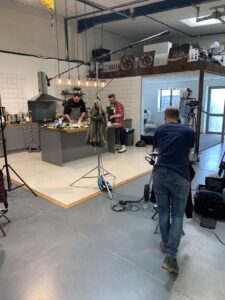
169	97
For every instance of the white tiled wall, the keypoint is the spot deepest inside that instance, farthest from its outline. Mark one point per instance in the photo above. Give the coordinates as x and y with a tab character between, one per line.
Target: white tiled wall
13	92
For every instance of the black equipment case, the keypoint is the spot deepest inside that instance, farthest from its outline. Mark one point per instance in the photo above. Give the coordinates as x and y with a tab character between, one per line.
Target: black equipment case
209	199
209	203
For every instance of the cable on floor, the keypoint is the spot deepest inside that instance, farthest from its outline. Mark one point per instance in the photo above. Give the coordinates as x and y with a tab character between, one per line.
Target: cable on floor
128	205
216	235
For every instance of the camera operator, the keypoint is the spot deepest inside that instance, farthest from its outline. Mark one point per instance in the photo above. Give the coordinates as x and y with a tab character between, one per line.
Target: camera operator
171	182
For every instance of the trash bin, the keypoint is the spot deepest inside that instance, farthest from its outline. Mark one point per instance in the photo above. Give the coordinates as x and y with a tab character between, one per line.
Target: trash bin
129	136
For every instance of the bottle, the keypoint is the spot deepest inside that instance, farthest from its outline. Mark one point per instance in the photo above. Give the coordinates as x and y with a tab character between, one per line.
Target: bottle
30	115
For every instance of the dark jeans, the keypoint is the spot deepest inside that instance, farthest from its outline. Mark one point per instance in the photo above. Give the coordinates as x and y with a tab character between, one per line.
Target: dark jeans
120	136
171	192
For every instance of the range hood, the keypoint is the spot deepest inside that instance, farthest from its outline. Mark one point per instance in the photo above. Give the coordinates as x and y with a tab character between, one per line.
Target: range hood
43	106
43	89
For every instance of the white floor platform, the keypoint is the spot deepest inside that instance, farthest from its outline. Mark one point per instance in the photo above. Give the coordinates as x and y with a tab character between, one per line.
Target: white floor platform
52	182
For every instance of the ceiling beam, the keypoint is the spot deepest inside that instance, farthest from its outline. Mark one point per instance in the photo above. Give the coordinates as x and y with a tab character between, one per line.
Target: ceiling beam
102	8
86	23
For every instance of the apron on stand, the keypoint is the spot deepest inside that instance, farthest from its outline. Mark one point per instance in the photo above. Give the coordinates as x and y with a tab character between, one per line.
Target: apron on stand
75	114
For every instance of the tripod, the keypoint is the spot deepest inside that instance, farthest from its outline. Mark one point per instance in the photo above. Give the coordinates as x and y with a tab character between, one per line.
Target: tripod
2	215
191	121
6	165
100	171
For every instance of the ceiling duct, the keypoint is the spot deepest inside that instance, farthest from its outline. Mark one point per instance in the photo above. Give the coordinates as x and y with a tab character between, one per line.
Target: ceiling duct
43	89
218	13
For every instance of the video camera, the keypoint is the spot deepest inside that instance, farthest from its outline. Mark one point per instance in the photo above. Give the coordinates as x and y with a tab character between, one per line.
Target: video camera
193	103
151	158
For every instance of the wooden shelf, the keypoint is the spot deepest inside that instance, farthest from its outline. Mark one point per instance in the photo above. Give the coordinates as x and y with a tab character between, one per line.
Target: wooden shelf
207	66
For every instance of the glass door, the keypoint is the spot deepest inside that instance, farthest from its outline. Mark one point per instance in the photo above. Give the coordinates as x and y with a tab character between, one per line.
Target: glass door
215	110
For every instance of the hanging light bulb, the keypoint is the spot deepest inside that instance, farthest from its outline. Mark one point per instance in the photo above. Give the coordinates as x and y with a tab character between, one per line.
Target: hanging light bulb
69	82
79	82
87	83
103	83
95	83
59	80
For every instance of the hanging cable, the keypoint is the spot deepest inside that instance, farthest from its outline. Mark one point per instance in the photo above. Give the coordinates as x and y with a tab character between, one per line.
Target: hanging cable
68	59
105	85
77	46
86	45
57	38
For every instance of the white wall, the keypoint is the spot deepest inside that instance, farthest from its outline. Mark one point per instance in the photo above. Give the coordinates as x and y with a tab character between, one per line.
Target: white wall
18	79
28	30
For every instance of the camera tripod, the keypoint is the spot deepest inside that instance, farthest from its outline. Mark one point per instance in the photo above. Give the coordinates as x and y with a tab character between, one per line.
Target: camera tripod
6	165
191	119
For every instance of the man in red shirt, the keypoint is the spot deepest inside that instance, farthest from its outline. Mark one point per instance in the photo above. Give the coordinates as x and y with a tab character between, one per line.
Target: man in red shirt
118	117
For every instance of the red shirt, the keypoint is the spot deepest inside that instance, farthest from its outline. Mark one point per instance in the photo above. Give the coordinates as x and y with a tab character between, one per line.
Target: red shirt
119	109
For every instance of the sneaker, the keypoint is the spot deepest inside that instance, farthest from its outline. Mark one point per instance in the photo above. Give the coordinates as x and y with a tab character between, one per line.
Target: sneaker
170	264
123	149
162	247
117	147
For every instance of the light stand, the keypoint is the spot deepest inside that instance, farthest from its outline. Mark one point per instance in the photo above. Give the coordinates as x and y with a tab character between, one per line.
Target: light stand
6	165
101	171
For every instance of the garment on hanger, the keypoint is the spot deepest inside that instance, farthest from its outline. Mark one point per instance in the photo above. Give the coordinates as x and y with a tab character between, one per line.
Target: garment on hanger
97	133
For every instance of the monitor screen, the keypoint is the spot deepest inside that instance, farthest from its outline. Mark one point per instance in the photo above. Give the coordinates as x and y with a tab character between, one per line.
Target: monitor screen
42	110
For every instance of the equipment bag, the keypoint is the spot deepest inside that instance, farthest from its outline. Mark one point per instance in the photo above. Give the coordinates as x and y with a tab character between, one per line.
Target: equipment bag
209	203
215	184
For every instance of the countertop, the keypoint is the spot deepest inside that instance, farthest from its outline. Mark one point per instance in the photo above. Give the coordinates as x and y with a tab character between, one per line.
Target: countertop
72	130
22	124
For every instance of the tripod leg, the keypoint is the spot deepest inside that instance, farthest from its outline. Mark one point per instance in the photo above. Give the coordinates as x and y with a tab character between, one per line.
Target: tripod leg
108	173
108	190
83	176
8	178
156	229
24	183
2	230
154	215
4	216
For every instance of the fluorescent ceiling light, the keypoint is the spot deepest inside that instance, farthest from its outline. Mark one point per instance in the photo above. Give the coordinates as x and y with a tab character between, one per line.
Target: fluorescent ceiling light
192	22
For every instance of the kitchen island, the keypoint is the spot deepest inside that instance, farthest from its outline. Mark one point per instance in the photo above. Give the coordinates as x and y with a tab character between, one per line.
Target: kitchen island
60	145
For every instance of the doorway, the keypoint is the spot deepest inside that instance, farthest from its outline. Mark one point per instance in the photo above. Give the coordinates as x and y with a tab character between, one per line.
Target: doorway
215	110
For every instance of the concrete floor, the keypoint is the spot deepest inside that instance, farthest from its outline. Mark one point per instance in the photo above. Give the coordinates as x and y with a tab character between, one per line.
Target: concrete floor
89	252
